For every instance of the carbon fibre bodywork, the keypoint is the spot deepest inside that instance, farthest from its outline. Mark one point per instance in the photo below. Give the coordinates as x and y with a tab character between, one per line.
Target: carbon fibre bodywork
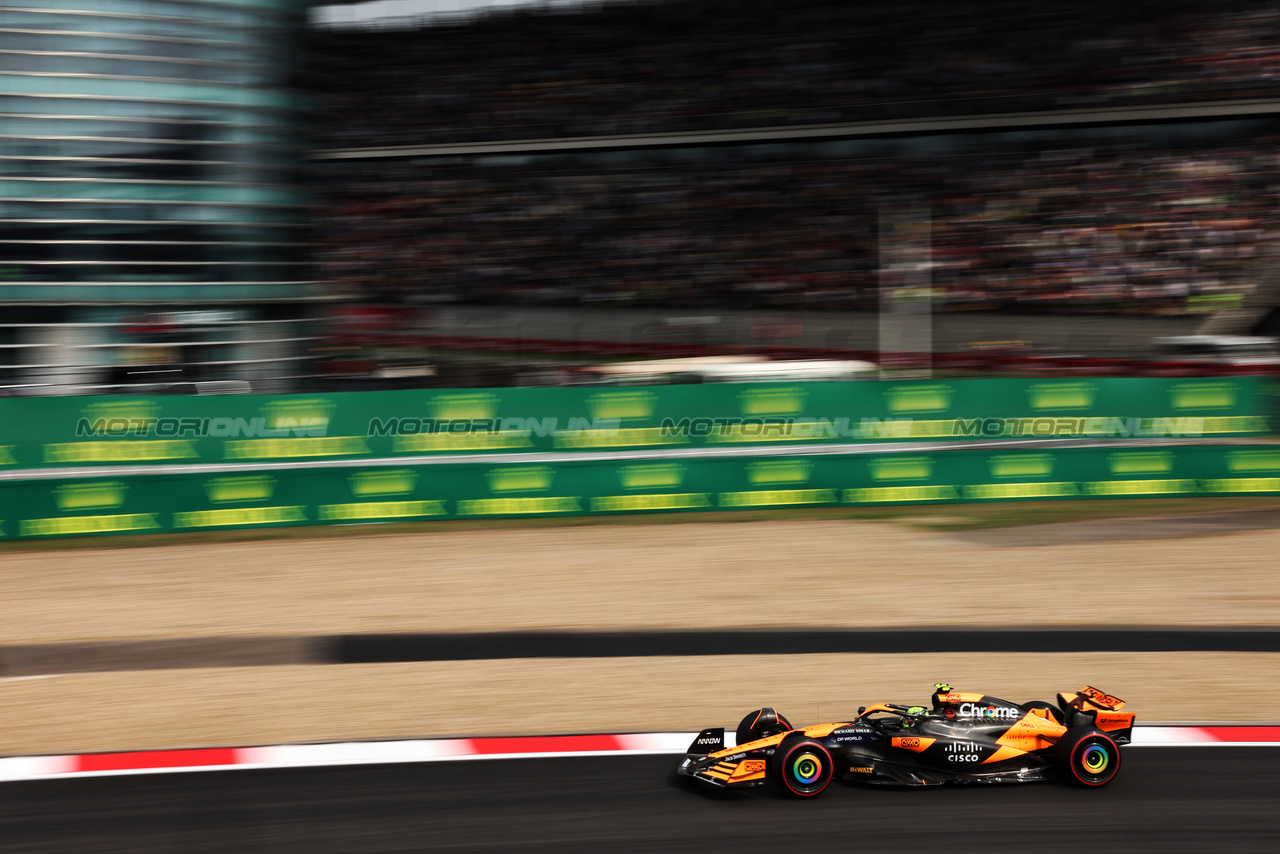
962	738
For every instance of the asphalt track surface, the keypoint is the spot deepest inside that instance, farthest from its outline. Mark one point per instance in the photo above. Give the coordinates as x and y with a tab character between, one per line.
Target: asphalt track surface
1190	799
180	653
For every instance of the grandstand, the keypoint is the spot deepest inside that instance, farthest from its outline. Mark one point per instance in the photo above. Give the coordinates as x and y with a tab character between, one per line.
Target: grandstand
526	173
709	157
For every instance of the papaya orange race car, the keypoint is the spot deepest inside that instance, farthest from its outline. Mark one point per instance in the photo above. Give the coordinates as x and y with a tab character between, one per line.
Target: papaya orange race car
962	738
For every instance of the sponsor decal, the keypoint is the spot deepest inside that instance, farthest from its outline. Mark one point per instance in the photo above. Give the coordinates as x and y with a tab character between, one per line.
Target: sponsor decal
622	404
1099	427
912	743
327	446
459	442
1020	490
110	452
919	398
1141	462
1140	487
308	418
383	482
1102	699
765	472
380	510
708	740
88	525
72	497
1204	395
613	437
783	400
509	506
751	766
870	495
239	516
975	710
664	501
767	428
1236	460
1060	395
514	425
228	490
901	468
962	751
1021	465
651	475
520	478
464	407
862	769
763	497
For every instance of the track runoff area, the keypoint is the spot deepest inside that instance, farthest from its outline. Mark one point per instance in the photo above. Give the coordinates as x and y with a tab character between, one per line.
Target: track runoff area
17	768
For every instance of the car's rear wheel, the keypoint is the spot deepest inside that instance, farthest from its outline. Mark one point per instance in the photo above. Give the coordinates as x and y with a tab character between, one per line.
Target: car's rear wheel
1088	756
802	767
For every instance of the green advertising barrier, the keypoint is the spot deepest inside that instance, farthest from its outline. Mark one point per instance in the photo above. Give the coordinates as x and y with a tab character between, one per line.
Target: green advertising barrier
128	430
191	502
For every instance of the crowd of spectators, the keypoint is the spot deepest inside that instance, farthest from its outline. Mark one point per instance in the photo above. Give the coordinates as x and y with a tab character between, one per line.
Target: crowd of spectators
1127	226
681	65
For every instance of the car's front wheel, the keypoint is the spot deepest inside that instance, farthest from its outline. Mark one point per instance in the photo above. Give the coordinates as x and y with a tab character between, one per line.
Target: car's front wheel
1088	756
802	767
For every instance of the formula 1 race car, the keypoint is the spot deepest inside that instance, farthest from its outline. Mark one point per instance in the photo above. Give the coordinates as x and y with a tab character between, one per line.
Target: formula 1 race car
963	738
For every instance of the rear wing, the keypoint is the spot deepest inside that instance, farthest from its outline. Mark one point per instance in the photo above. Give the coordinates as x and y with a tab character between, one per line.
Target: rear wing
1092	707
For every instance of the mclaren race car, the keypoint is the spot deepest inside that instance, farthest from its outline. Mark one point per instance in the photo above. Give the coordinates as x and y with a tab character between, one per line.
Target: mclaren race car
962	738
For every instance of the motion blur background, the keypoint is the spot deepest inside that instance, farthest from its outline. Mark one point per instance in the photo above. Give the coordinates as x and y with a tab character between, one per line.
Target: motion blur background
981	256
282	197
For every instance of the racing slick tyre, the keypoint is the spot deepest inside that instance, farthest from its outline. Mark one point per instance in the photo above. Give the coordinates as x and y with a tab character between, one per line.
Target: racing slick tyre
760	724
801	767
1088	756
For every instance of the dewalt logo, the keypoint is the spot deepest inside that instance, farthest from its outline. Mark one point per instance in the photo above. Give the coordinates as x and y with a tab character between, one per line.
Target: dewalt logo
783	400
1061	395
